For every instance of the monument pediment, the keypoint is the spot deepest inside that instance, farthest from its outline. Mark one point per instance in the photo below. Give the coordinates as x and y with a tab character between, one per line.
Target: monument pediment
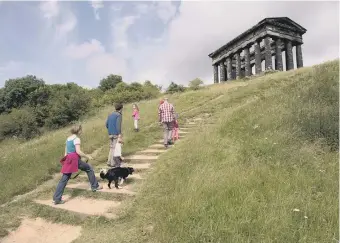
285	22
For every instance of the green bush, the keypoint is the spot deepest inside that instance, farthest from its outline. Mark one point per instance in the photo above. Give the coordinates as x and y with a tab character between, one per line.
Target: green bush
19	123
66	107
195	84
175	88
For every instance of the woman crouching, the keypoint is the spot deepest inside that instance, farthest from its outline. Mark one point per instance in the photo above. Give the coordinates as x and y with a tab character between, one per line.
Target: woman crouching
72	162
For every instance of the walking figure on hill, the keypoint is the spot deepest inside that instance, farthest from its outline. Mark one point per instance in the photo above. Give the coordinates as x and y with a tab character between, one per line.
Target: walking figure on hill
114	128
135	115
72	162
166	116
175	135
117	155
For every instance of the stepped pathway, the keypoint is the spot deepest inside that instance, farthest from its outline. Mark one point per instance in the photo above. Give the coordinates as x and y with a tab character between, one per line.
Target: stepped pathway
39	230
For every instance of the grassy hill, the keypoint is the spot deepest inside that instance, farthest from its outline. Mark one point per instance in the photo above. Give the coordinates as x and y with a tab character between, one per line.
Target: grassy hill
263	167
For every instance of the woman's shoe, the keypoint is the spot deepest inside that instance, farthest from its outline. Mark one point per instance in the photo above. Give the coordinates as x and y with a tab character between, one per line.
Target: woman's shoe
58	202
98	188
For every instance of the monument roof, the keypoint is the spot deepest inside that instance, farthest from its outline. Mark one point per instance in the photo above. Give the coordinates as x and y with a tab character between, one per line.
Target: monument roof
278	21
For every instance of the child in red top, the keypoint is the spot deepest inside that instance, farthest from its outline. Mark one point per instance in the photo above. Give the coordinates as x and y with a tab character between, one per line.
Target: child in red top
135	115
175	129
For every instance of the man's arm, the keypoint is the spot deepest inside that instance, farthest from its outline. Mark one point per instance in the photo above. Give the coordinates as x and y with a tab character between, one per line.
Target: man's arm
159	114
119	124
107	122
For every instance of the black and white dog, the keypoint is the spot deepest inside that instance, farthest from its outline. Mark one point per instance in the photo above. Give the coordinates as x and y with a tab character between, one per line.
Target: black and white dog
114	174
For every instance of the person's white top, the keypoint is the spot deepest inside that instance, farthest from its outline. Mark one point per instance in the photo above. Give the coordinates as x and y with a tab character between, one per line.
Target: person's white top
118	150
75	139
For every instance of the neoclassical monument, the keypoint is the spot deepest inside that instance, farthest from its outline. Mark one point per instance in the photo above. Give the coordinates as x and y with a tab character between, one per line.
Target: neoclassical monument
263	42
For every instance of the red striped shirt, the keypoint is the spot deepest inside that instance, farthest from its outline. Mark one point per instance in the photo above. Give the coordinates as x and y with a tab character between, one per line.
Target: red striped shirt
166	112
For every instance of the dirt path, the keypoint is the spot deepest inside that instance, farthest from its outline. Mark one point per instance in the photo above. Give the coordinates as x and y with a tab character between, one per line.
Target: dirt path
39	230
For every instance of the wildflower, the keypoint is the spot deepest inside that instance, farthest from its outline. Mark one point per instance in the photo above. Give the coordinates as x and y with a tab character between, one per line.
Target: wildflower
296	210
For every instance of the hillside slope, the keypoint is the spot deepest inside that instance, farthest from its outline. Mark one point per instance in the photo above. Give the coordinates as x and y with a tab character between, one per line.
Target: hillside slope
265	171
261	168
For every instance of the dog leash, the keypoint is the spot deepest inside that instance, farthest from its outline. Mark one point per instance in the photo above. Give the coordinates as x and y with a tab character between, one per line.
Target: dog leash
74	177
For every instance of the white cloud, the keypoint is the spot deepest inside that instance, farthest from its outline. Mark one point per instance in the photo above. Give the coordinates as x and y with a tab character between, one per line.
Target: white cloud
104	64
115	8
96	5
84	50
165	10
67	25
120	27
60	18
50	9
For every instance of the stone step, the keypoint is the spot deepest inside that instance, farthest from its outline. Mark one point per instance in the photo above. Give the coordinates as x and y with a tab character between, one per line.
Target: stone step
39	230
141	157
159	146
152	151
137	167
183	132
86	186
87	206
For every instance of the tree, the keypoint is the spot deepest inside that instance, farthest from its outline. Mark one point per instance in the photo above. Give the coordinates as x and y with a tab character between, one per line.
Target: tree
16	91
110	82
195	84
136	87
175	88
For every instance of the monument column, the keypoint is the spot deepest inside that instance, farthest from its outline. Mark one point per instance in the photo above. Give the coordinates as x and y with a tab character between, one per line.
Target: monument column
247	61
299	60
222	71
229	68
238	65
215	68
251	69
289	55
268	54
278	55
258	67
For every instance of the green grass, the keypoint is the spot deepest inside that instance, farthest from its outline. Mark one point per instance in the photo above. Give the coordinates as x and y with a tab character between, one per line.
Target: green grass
271	148
245	175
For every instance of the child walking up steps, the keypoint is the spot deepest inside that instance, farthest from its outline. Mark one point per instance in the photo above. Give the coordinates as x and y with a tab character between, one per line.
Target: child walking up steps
135	115
175	129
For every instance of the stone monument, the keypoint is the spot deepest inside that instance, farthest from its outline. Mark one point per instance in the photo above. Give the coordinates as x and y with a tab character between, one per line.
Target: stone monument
270	37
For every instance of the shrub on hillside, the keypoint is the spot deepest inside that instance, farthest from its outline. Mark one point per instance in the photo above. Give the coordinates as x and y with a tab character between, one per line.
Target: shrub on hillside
16	91
175	88
19	123
126	93
110	82
195	84
67	106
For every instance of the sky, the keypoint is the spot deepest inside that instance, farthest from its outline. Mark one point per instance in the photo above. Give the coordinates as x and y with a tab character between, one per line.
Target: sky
161	41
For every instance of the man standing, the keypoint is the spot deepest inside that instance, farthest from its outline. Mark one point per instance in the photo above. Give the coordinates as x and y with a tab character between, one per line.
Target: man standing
114	128
166	115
